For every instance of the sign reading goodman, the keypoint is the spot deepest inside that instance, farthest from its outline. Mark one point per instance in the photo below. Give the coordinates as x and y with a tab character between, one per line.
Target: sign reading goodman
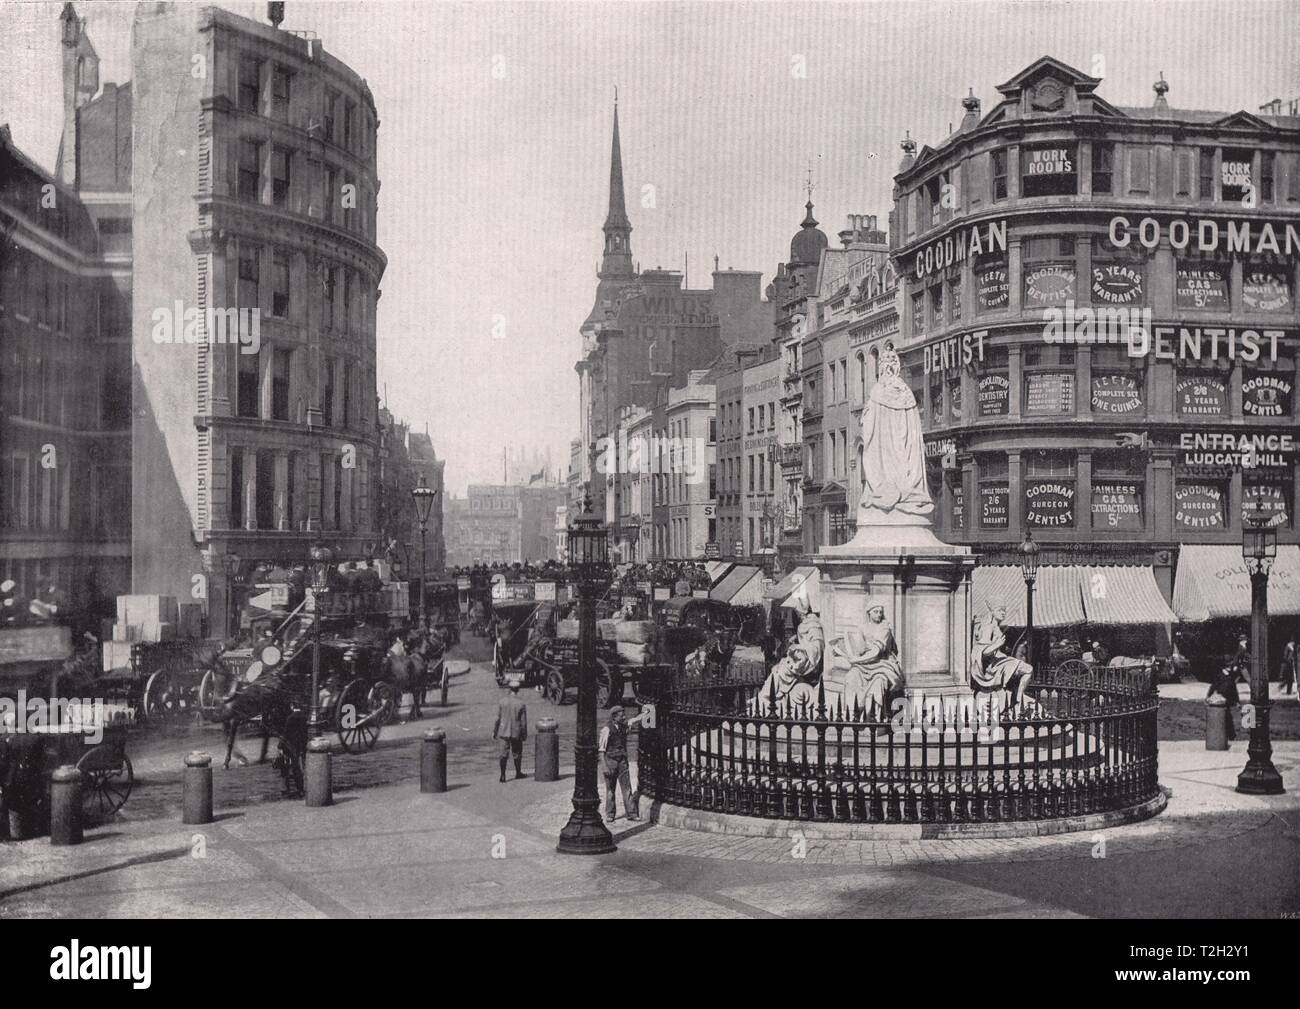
1049	503
1208	235
962	244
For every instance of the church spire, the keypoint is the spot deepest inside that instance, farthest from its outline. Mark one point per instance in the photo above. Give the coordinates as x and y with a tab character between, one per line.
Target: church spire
617	260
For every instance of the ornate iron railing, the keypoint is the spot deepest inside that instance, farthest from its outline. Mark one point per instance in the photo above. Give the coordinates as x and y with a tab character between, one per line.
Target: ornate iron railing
1080	743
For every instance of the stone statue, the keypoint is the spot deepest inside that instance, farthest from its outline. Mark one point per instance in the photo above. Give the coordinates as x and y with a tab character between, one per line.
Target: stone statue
991	668
794	676
894	490
875	673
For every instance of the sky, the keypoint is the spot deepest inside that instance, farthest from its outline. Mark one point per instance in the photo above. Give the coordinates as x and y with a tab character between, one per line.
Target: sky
494	145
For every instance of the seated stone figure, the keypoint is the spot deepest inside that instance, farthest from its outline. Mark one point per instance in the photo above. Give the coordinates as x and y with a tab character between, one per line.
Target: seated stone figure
875	675
792	679
991	668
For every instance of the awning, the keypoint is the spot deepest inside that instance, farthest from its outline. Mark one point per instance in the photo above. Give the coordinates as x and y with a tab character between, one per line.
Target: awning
1212	582
1058	601
742	586
1066	595
717	570
781	590
1123	595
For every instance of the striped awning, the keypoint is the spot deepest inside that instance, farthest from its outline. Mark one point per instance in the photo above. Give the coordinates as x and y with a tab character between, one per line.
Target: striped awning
742	586
717	570
1122	594
1212	582
782	589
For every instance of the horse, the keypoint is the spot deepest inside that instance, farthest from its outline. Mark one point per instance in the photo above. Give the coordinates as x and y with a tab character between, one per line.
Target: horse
269	700
406	667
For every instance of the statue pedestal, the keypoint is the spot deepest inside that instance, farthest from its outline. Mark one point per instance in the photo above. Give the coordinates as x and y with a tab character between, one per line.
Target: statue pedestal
924	585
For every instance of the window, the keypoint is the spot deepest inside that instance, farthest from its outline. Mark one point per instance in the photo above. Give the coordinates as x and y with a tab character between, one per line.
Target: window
1049	171
1271	488
331	194
280	159
751	420
331	367
248	388
349	378
236	488
1049	489
935	191
1103	167
250	84
1049	276
994	491
246	294
1200	501
1266	289
265	495
713	432
936	303
348	282
918	313
1118	275
1202	285
992	288
280	79
280	384
349	117
1206	173
1235	175
250	171
1201	392
330	286
1118	490
280	285
954	299
1266	176
1000	175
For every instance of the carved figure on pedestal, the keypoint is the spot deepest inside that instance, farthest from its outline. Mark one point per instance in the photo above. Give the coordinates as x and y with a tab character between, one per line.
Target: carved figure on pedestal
875	675
991	668
894	490
792	679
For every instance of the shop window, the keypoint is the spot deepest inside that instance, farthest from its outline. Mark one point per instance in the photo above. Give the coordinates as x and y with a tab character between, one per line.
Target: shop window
1049	489
1235	175
1266	289
1201	392
1103	167
1049	171
1118	492
1202	285
994	491
1268	388
1200	502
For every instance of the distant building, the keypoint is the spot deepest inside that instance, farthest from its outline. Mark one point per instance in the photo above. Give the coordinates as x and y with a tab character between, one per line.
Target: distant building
502	524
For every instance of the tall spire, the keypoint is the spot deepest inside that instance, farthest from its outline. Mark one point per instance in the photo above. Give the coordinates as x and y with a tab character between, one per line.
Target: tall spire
618	229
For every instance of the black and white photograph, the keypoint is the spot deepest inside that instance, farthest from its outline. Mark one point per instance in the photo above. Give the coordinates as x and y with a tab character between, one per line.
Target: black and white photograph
650	460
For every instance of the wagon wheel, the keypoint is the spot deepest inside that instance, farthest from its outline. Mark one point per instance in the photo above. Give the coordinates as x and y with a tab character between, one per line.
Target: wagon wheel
162	696
605	679
554	689
358	726
210	695
1074	667
382	699
103	789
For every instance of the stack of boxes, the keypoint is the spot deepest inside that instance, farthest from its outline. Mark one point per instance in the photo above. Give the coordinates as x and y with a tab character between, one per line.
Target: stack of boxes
149	618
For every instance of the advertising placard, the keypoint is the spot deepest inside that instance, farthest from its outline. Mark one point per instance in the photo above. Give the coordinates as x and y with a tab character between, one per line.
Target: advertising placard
1265	291
1266	394
994	395
1116	395
1202	285
1049	284
992	287
1202	396
1199	506
1049	393
1116	284
995	501
1049	503
1116	505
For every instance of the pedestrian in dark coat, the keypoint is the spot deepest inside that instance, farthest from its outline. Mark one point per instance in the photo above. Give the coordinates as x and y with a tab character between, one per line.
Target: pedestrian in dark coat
511	728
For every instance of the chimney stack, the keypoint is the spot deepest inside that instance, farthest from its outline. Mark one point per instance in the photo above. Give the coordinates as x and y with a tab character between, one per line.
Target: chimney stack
275	12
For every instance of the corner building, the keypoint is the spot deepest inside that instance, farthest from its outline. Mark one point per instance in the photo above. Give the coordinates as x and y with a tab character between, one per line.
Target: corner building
1098	320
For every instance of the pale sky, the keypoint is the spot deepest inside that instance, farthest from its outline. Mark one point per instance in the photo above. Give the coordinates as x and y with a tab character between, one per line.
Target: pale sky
494	148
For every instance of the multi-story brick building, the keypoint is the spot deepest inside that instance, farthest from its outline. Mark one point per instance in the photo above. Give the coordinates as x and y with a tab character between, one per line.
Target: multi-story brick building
1099	321
65	365
261	200
758	476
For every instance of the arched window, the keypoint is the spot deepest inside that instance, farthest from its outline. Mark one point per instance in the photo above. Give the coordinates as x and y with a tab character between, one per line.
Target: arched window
862	377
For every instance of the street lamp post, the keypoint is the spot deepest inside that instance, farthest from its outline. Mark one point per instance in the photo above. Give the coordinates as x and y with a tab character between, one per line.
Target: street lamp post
1029	570
586	833
423	496
321	558
1258	549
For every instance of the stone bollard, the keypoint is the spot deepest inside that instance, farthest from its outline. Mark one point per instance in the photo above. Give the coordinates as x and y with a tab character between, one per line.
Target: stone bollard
197	797
433	761
320	783
546	751
1217	714
65	806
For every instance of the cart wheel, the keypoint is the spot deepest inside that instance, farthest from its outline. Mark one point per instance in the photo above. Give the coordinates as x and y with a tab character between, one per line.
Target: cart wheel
383	702
358	727
1074	667
446	684
161	697
210	695
554	691
104	790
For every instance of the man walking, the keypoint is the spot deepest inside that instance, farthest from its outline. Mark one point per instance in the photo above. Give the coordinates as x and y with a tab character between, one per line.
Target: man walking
613	744
511	728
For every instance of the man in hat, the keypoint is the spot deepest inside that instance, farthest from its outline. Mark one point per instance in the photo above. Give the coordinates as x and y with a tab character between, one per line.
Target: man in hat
511	728
613	746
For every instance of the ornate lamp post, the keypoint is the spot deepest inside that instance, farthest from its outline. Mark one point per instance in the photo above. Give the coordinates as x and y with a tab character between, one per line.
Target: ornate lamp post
586	833
423	496
321	559
1259	548
1029	570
